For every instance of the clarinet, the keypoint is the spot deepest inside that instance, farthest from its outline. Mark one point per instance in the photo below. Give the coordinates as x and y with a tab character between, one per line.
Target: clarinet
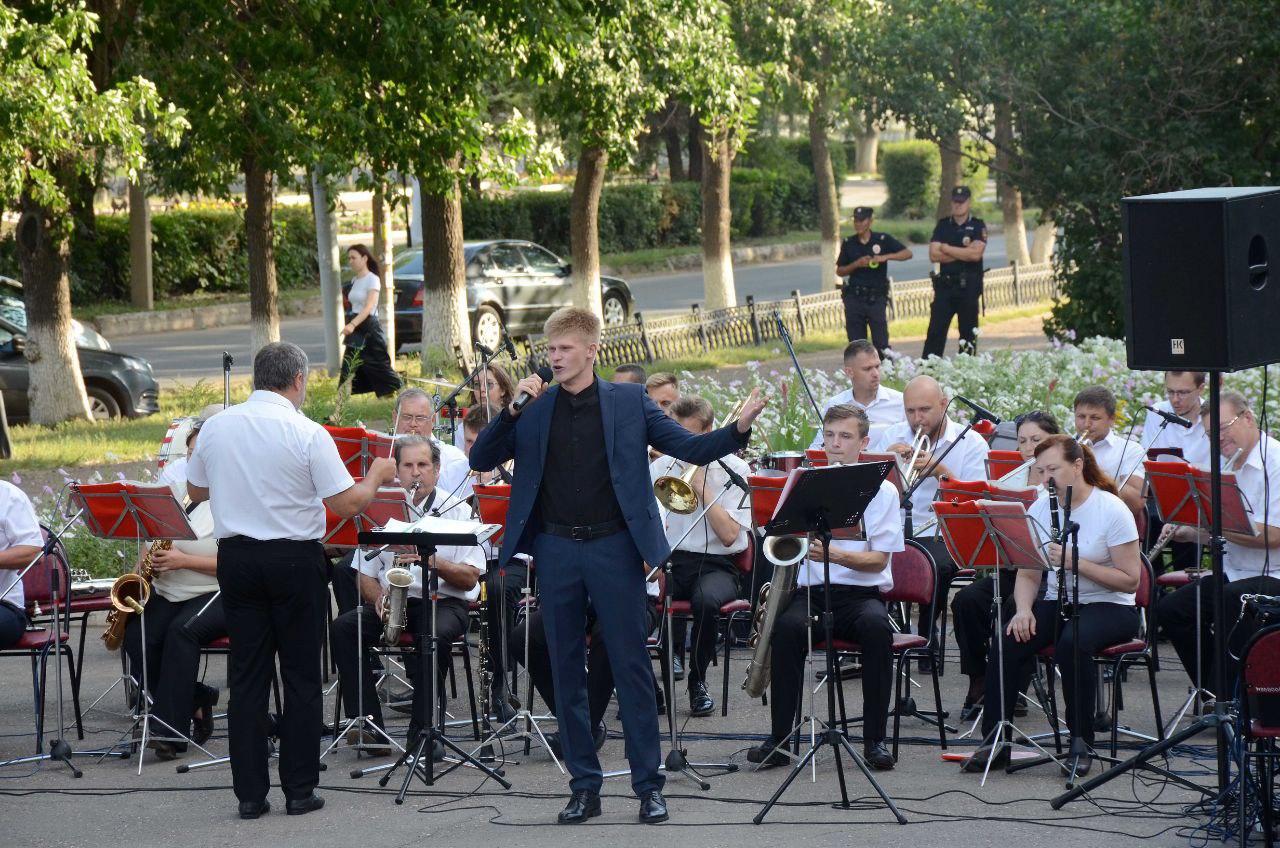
1055	536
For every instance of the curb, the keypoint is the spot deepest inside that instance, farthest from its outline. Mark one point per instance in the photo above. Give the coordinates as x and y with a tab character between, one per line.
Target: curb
198	317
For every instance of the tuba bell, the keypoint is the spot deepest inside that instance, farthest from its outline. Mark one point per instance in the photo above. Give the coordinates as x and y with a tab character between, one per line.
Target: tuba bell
786	553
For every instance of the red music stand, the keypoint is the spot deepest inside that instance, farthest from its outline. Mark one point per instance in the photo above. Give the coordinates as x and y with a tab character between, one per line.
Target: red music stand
1183	496
493	500
895	475
358	447
389	503
1002	462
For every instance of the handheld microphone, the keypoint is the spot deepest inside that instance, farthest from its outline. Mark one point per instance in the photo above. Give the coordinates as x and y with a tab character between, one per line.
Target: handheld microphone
1171	417
524	397
979	413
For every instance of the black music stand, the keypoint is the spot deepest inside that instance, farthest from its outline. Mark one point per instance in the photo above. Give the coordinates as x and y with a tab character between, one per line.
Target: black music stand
817	501
428	646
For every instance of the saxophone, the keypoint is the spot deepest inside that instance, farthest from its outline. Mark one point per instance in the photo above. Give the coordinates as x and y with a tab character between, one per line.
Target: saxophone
786	554
399	579
130	589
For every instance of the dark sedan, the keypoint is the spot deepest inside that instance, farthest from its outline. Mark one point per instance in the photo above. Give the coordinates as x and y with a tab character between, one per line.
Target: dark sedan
117	384
512	285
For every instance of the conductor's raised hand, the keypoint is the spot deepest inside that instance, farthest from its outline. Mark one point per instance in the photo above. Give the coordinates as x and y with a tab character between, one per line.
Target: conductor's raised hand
533	386
382	469
755	404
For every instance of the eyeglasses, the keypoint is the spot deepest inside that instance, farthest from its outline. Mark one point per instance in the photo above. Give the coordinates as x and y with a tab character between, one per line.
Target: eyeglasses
1181	393
1232	421
415	419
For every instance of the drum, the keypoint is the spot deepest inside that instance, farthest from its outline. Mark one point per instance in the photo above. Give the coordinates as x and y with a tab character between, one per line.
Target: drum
786	461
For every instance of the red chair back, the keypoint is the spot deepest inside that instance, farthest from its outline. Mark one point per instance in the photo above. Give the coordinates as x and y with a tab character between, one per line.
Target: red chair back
765	491
1146	583
914	576
745	560
1001	462
493	501
36	583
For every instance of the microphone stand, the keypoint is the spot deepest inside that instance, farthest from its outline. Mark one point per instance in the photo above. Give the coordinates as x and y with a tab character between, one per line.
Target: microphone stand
451	400
227	362
786	340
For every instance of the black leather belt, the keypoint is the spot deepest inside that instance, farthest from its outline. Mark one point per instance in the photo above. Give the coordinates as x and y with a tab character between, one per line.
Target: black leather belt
584	532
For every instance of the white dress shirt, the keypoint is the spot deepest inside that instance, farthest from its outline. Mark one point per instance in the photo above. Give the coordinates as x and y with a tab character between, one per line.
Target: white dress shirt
1194	442
183	584
1119	457
703	539
455	472
884	410
472	555
268	469
1262	493
18	526
1105	522
882	525
967	461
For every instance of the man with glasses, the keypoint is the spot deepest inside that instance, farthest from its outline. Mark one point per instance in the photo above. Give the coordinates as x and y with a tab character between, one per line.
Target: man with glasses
1183	390
415	415
1254	458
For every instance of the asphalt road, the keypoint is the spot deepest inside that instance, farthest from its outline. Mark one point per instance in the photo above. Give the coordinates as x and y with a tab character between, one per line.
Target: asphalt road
190	355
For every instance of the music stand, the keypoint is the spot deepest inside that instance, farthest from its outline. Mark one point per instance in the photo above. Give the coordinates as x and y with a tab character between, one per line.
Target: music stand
425	543
133	512
358	447
818	501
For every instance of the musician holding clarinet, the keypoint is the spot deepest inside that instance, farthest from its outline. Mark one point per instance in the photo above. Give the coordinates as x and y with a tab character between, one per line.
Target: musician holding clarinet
583	505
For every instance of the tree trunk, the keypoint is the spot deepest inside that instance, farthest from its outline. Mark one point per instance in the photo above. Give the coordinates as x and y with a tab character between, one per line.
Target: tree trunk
384	252
446	327
717	261
868	141
56	390
695	150
671	134
584	228
952	163
1042	240
259	230
1015	231
141	283
329	262
828	197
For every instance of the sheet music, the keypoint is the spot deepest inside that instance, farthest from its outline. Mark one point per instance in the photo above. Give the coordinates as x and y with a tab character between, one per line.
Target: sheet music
435	524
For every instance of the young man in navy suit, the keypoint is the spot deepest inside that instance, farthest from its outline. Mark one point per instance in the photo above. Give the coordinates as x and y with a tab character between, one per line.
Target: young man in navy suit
583	505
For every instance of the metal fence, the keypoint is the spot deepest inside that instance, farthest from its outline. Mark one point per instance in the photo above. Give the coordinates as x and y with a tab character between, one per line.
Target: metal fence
646	340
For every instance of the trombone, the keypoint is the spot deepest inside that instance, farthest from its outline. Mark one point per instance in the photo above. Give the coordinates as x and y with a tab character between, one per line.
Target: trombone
676	494
921	443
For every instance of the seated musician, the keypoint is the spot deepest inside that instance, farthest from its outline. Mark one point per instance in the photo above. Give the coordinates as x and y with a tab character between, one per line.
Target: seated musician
1183	390
417	460
702	567
1248	560
1120	458
183	615
415	415
860	574
20	541
882	404
1110	570
174	473
925	405
663	389
971	607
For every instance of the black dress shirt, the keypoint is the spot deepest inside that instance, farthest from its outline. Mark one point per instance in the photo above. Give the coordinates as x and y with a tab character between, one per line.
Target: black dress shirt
577	488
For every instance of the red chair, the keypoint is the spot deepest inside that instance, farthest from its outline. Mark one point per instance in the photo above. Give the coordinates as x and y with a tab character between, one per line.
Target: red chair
1260	727
915	581
38	586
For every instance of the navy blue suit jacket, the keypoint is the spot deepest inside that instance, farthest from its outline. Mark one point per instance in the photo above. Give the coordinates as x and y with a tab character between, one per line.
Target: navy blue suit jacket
632	422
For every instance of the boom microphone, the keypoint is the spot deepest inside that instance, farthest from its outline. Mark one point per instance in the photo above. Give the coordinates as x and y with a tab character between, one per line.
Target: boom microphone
1171	417
979	413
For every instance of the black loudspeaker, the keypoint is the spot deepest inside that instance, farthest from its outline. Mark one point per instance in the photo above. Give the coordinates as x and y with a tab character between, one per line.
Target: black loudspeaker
1198	292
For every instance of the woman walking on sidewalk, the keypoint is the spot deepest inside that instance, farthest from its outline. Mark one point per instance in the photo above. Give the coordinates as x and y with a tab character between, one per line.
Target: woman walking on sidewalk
366	345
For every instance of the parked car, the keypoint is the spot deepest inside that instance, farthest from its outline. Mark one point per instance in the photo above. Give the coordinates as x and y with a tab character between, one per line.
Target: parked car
117	384
511	285
13	310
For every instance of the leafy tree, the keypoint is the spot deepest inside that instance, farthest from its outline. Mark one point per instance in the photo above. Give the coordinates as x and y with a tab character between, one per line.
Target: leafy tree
53	123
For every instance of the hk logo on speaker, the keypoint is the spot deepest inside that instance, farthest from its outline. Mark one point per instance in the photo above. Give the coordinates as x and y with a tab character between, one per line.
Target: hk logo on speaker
1179	346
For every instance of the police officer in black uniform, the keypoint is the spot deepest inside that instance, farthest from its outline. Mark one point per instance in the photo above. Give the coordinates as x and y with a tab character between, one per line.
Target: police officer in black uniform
957	245
866	289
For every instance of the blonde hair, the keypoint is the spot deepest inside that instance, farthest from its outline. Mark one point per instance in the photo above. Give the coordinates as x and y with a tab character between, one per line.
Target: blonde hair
660	379
570	319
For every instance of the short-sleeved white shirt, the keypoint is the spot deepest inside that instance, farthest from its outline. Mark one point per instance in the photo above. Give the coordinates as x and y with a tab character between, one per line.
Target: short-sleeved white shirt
1241	562
360	289
882	523
1105	522
702	539
472	555
967	461
268	469
1193	441
884	411
1119	457
18	526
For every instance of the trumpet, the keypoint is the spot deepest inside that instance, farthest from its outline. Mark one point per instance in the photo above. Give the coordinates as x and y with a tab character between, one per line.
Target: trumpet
921	443
1082	438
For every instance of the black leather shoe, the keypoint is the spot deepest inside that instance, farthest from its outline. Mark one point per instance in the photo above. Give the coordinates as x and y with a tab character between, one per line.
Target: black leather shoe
583	804
653	808
677	668
302	806
768	753
977	761
253	809
202	727
1086	764
971	710
700	703
877	755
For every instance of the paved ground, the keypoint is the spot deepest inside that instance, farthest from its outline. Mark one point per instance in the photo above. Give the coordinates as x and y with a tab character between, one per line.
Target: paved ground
113	805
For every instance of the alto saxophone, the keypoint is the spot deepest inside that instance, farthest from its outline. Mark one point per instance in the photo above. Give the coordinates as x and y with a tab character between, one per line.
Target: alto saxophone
134	587
399	579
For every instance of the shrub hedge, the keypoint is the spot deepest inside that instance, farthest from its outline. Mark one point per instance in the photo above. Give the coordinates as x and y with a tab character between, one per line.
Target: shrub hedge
912	173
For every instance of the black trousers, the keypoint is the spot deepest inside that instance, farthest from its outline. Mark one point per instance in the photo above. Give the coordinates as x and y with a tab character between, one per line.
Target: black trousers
707	583
13	623
973	622
451	623
275	600
1101	625
1176	615
373	371
503	587
953	301
862	314
947	569
599	672
175	634
860	615
345	581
